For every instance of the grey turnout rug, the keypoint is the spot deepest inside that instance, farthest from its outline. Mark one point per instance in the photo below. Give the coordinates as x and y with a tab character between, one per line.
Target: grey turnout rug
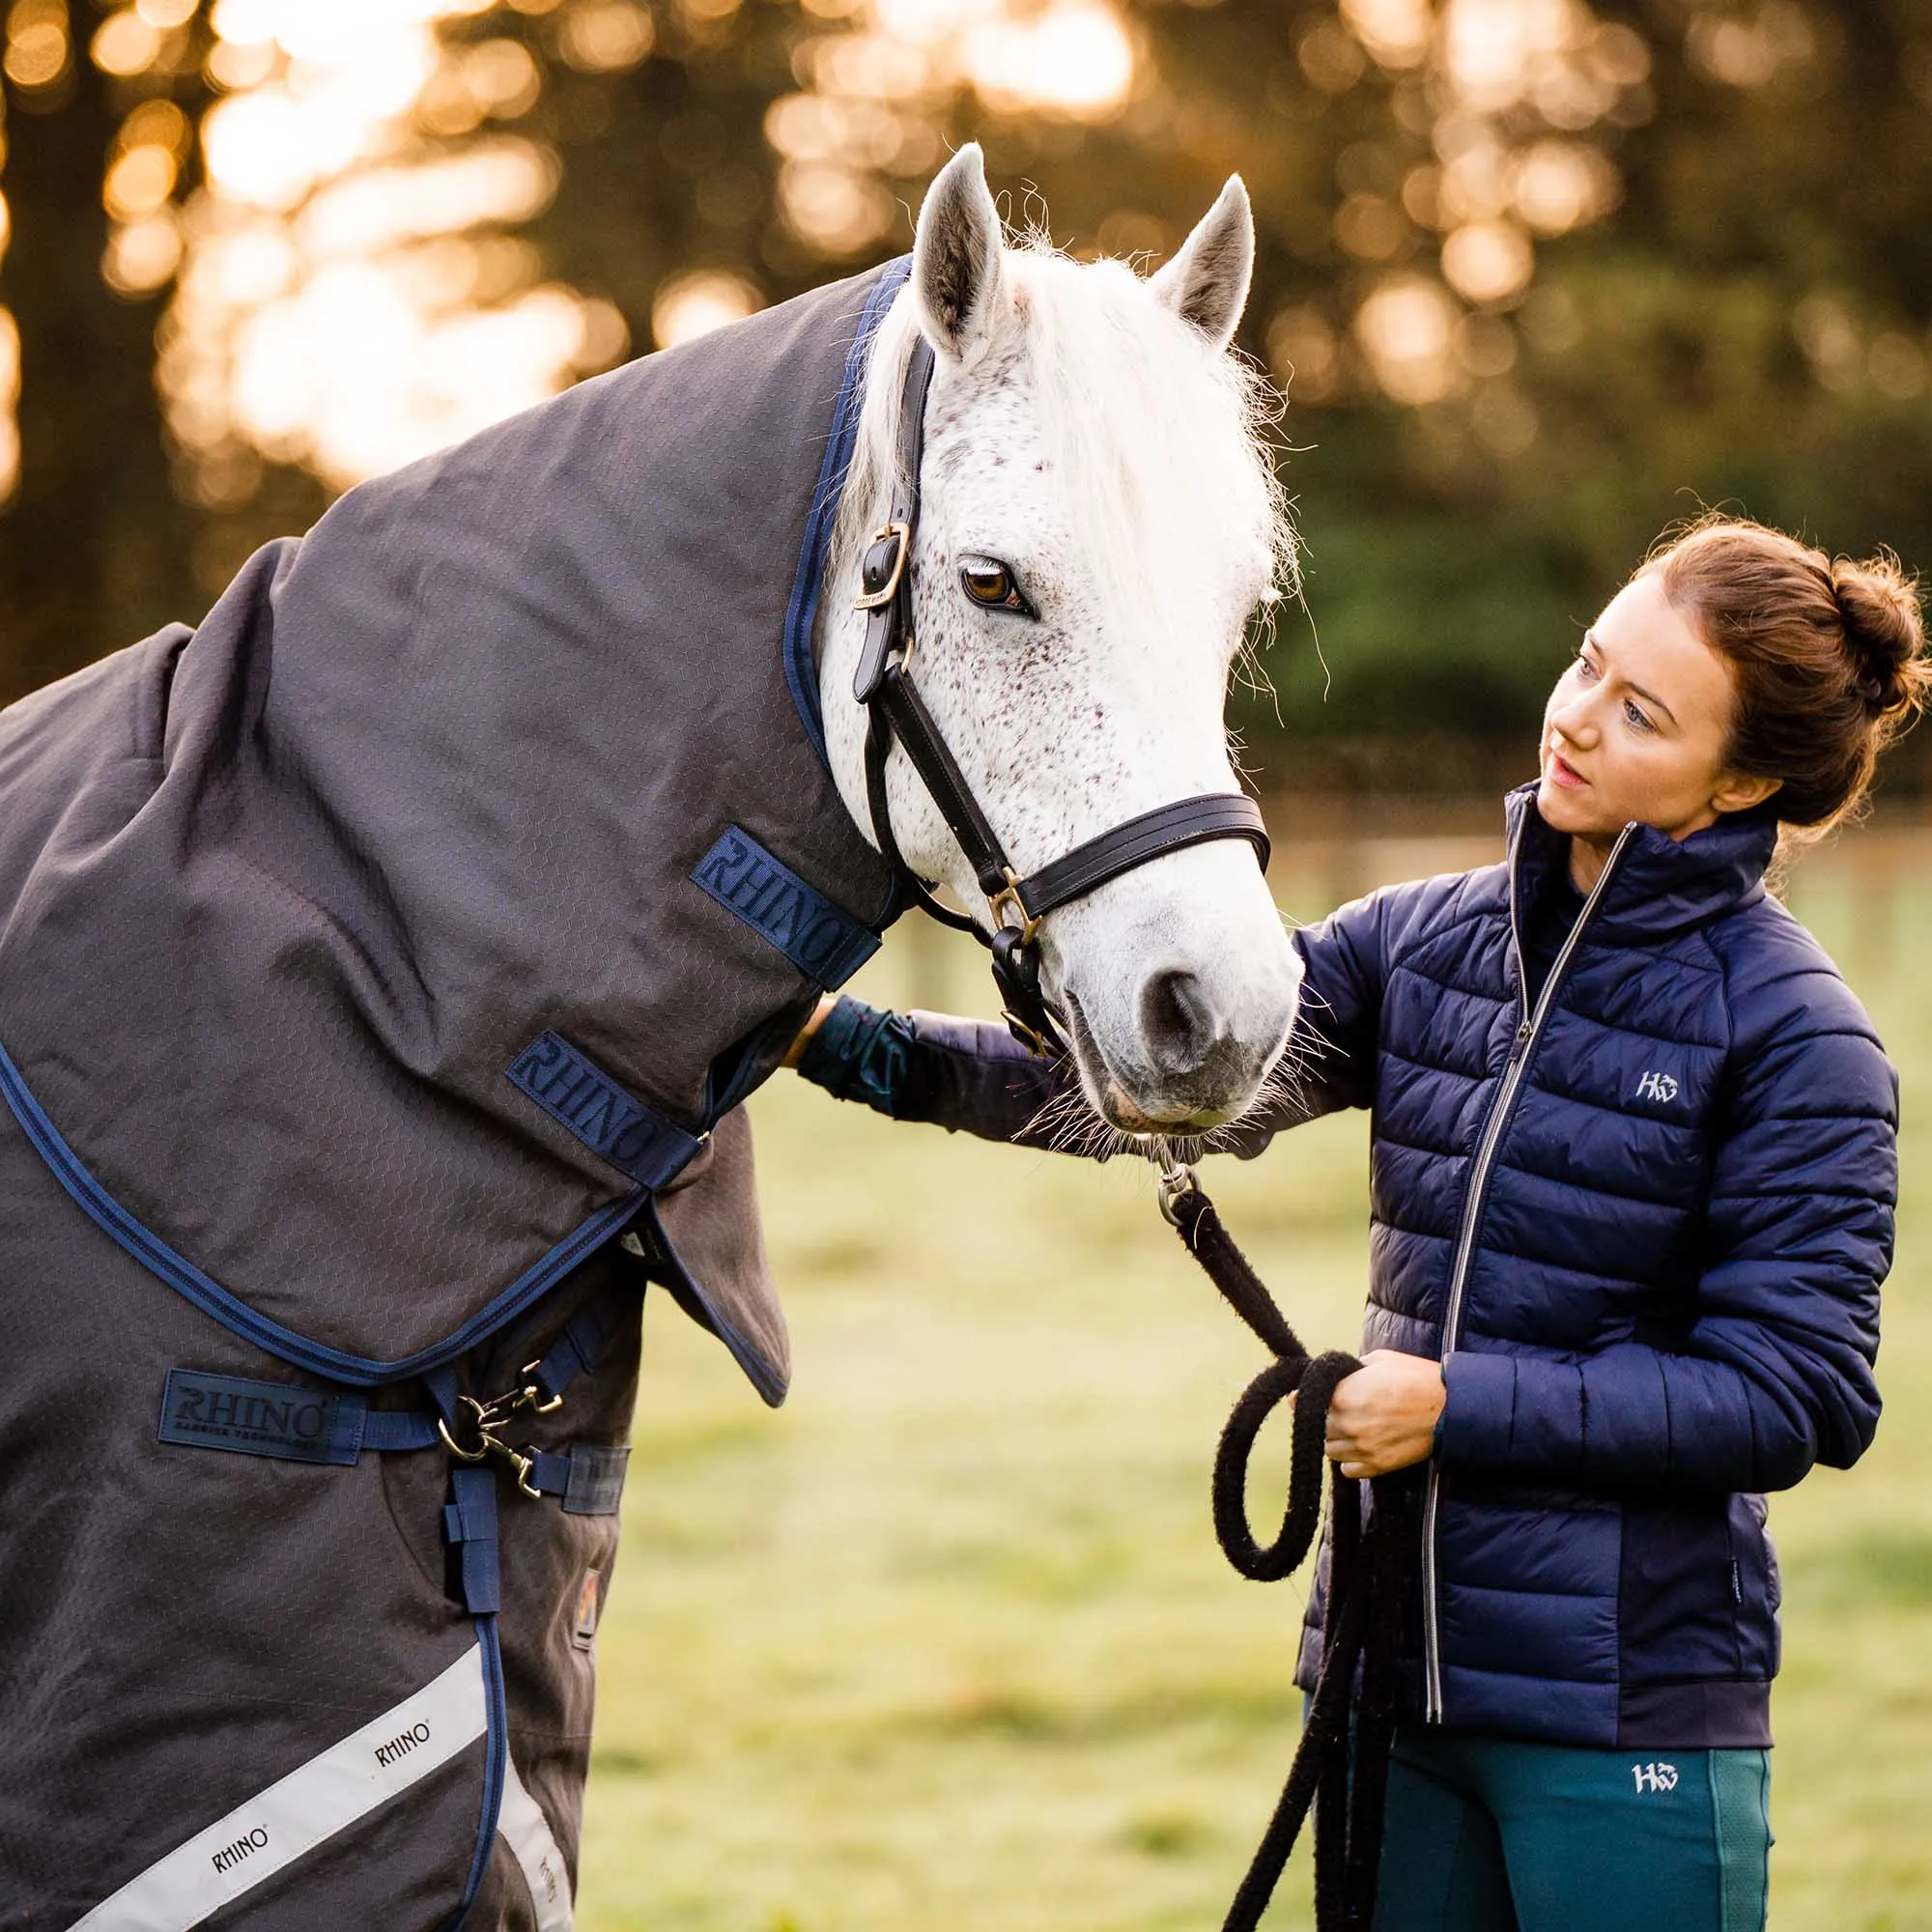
381	966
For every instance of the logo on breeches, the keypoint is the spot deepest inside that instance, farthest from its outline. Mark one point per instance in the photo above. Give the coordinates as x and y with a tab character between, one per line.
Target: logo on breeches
1656	1087
1655	1776
589	1601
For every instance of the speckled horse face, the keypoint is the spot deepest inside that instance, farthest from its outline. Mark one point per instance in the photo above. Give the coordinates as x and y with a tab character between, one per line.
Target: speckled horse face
1099	523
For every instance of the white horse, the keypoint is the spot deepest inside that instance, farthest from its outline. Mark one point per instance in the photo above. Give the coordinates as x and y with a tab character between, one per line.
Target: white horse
1100	521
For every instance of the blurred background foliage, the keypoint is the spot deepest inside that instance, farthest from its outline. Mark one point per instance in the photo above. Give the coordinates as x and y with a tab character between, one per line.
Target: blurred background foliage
1539	276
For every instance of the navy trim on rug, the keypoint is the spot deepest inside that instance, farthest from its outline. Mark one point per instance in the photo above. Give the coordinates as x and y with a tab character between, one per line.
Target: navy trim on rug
495	1749
689	1294
809	581
212	1299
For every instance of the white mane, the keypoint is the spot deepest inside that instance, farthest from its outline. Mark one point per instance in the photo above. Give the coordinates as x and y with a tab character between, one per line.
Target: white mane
1159	441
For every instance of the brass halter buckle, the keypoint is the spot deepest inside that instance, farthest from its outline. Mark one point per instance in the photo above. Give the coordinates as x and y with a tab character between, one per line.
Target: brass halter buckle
871	597
1007	908
480	1414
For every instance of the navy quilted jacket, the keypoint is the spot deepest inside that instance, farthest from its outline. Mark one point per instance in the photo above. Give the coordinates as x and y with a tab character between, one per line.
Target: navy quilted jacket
1644	1225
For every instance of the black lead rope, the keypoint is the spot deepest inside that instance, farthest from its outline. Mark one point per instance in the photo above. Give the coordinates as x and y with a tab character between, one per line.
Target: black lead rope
1341	1765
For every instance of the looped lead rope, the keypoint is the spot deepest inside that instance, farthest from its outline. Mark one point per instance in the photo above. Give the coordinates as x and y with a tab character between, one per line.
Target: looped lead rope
1340	1767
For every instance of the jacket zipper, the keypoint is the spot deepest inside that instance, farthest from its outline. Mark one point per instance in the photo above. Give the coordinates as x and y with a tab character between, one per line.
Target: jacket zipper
1518	1063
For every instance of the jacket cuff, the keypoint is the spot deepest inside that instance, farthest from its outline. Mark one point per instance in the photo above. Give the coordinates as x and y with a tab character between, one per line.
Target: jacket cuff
1478	1411
862	1053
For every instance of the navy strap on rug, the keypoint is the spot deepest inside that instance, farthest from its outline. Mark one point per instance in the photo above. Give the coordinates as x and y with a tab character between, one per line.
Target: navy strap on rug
589	1478
272	1337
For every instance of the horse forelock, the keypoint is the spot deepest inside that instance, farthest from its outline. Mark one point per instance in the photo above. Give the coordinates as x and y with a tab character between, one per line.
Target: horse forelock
1165	473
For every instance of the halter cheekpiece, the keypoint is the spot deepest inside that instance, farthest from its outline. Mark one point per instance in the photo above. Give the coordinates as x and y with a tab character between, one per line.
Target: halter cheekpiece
894	709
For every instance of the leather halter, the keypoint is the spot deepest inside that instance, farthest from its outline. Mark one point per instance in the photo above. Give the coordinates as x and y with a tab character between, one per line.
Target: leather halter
893	708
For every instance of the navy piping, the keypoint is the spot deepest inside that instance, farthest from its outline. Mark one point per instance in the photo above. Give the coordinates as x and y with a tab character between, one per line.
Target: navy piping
757	1369
496	1747
212	1299
800	664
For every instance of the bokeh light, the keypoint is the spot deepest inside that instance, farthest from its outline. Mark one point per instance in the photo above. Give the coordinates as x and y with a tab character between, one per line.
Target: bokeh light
1488	261
1075	60
1754	50
694	304
40	46
1407	331
607	38
1304	355
878	84
348	260
9	396
1517	93
351	293
1396	33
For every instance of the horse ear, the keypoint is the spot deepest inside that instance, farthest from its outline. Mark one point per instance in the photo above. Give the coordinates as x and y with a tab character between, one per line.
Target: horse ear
1206	283
956	275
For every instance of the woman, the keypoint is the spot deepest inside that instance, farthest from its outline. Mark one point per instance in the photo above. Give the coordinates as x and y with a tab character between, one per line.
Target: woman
1633	1173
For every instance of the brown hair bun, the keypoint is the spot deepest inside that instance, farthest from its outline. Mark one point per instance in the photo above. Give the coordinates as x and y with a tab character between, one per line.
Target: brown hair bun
1885	631
1827	656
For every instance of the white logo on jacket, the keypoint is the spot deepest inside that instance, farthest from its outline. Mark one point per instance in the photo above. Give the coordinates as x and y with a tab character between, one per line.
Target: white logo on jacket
1655	1776
1656	1087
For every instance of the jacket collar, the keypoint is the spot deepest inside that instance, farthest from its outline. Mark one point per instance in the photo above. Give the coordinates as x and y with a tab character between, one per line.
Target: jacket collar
1659	886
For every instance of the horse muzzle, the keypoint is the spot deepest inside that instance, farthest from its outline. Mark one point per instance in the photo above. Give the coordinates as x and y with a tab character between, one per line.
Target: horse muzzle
1189	1048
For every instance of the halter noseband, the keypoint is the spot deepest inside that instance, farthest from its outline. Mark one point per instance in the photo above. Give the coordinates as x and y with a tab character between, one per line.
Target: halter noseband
893	708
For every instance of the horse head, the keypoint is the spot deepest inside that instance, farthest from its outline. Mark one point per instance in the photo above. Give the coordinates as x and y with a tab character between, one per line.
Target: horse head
1100	522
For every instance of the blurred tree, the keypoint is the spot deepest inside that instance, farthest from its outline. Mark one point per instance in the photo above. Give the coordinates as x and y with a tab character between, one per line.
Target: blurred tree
93	545
1546	276
1540	275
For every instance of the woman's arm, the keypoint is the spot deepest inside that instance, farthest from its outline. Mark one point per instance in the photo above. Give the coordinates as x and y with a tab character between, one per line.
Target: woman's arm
972	1076
957	1074
1776	1371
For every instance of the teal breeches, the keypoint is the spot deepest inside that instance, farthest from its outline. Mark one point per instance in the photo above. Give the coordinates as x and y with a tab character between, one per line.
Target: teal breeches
1490	1834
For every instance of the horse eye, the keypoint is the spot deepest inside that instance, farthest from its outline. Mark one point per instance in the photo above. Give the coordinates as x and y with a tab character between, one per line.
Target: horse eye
991	584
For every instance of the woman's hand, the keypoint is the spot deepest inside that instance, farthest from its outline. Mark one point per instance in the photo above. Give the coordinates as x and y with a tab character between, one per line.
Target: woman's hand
1382	1417
795	1052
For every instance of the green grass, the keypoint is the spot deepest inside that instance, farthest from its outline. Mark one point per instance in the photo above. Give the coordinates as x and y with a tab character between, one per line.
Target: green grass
947	1642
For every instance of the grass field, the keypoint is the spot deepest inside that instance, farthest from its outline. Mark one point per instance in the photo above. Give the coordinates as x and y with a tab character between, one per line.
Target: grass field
947	1642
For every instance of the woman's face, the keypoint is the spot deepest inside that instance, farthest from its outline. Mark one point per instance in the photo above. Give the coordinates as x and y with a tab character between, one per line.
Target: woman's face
1638	726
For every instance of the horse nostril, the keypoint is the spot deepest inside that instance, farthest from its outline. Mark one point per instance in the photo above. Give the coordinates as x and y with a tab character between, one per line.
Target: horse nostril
1178	1022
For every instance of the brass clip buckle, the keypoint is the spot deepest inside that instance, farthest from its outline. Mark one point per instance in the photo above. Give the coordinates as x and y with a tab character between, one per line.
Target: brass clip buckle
1029	1037
488	1418
1007	908
530	1396
872	600
523	1462
482	1415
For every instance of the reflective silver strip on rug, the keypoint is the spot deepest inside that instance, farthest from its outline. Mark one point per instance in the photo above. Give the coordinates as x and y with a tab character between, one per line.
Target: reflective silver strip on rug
298	1812
527	1833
